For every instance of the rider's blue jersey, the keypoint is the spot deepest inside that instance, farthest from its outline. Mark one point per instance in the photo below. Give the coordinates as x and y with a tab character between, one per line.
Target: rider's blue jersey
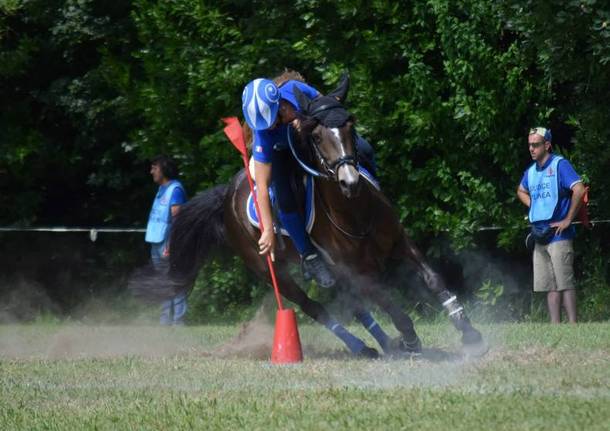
265	140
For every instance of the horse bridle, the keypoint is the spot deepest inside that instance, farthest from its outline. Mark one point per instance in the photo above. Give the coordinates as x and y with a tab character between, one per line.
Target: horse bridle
331	168
331	174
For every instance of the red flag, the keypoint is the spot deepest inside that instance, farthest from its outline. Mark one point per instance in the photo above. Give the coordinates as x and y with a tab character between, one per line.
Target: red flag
235	134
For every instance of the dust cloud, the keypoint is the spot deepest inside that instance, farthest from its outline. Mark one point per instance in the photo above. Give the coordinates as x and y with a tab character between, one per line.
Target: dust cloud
77	340
254	340
22	300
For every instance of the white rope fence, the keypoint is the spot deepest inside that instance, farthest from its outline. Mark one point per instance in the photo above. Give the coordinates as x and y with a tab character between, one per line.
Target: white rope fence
488	228
94	231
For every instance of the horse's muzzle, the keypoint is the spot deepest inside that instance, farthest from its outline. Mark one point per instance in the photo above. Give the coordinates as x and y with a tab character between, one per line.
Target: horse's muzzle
349	180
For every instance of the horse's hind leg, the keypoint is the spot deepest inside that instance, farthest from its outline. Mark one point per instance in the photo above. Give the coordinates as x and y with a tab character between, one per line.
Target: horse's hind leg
409	342
292	291
434	282
355	305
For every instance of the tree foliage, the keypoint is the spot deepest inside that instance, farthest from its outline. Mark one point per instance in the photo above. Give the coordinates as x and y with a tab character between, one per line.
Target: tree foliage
445	91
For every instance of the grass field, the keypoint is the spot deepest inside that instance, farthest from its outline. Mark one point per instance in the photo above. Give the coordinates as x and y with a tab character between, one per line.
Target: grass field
535	377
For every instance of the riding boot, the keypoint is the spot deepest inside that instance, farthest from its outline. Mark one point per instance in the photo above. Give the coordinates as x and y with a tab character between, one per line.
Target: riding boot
313	266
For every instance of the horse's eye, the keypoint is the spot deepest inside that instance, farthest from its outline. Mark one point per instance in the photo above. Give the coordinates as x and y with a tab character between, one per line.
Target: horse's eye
316	138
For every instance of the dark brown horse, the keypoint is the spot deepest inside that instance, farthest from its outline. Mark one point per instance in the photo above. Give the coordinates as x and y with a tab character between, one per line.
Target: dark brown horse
355	226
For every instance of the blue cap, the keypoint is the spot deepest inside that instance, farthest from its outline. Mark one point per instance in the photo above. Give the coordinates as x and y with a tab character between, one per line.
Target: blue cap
260	102
541	131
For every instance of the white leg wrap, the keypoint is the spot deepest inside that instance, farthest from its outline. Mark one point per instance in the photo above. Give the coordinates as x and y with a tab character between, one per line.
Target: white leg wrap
449	301
456	311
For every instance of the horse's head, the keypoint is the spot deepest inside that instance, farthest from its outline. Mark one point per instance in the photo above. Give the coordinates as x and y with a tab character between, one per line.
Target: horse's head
326	130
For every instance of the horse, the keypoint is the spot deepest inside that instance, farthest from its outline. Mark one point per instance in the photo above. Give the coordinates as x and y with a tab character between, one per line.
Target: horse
356	229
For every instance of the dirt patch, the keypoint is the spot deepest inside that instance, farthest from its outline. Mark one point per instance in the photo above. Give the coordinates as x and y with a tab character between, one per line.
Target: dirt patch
108	342
83	341
254	341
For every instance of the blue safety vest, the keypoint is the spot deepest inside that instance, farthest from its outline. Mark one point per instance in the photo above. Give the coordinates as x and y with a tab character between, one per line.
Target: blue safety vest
160	217
544	190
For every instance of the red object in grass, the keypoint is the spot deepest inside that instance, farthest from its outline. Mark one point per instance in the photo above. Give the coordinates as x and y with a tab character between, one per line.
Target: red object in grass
286	341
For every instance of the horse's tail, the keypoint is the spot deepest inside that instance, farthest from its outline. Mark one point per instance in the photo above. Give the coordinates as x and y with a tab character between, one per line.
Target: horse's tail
197	231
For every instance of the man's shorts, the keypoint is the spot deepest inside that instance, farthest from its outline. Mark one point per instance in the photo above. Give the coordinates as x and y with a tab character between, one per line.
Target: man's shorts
553	266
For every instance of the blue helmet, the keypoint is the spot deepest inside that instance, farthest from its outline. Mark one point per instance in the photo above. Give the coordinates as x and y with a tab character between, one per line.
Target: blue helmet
260	102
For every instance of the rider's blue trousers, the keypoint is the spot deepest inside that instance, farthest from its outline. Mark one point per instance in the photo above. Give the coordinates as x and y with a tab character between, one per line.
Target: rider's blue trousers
283	171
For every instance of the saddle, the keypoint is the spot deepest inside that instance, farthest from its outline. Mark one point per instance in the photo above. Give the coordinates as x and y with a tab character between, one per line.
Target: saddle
306	190
304	187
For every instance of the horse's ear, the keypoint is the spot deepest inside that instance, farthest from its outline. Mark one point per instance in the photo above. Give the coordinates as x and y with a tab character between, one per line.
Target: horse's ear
340	93
302	99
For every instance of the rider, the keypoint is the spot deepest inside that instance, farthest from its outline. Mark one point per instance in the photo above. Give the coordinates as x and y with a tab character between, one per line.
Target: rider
269	110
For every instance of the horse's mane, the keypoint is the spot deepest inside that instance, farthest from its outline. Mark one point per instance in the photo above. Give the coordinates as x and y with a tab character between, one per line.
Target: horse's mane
322	110
302	146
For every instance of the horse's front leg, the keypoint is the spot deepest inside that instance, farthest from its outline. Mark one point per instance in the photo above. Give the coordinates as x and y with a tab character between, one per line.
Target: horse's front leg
407	251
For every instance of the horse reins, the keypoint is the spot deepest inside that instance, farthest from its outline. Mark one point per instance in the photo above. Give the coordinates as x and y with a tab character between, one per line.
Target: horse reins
358	236
331	169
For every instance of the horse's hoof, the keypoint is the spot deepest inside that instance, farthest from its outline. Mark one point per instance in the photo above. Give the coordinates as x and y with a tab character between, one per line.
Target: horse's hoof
400	348
473	344
471	336
368	353
475	350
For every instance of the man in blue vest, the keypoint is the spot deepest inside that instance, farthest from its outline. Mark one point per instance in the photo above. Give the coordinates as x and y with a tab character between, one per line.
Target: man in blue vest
553	192
165	207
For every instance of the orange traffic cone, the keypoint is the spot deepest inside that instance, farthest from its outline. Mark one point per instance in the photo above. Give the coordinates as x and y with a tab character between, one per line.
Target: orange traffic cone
286	342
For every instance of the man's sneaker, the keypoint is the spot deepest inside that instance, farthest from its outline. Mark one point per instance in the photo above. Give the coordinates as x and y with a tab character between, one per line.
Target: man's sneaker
313	266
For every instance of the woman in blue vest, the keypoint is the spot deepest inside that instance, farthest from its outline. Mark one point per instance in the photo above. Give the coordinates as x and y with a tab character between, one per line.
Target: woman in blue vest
166	205
553	191
269	109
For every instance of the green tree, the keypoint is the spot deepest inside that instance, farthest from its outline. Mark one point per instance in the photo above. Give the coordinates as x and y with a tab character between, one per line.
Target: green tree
445	91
